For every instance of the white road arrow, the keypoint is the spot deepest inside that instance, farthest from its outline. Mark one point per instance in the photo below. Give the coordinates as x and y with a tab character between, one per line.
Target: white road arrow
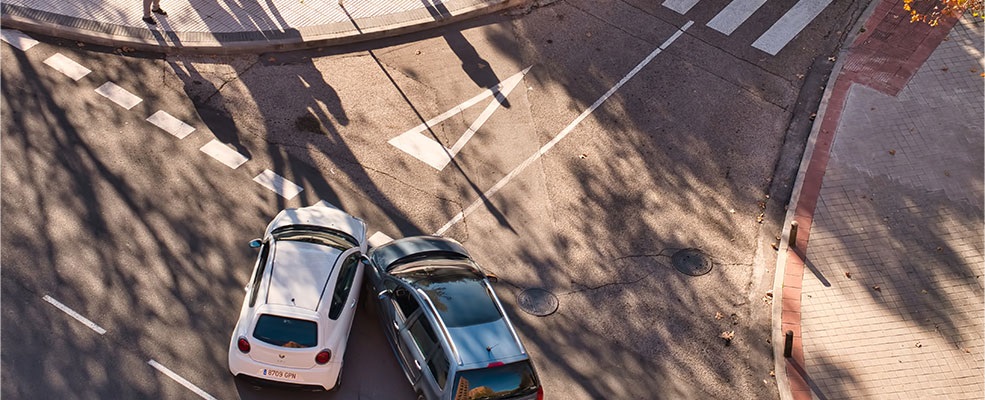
432	153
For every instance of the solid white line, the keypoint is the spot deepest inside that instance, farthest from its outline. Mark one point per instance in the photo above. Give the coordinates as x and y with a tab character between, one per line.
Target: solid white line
67	66
278	184
733	15
564	132
681	6
789	25
85	321
170	124
379	239
177	378
224	154
118	95
17	39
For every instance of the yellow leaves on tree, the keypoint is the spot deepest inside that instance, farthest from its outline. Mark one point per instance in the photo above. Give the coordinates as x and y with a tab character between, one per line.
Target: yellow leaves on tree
931	11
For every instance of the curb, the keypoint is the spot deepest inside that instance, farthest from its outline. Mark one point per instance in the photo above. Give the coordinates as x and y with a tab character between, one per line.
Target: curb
170	42
780	272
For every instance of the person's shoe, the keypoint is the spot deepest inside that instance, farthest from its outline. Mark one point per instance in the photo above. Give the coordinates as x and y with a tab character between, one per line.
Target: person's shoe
160	11
149	20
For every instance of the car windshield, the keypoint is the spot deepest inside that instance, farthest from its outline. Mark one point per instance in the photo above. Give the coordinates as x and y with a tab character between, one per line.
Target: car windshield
457	292
315	234
505	381
286	332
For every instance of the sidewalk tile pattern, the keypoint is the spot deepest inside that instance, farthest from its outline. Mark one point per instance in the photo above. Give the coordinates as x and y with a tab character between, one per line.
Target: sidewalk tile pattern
892	292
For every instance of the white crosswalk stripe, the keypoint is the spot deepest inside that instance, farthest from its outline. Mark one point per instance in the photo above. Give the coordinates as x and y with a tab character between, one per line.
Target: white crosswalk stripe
681	6
789	25
17	39
733	15
278	184
170	124
224	154
67	66
118	95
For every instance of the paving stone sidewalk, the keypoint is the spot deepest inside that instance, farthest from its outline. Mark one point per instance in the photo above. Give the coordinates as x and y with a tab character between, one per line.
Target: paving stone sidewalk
891	301
238	26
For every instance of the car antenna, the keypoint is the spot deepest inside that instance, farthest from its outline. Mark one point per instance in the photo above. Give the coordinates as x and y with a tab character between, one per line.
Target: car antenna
489	348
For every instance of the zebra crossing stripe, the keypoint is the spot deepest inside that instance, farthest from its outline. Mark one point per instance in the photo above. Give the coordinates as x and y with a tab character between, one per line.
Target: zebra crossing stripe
278	184
789	25
170	124
681	6
118	95
17	39
733	15
224	154
67	66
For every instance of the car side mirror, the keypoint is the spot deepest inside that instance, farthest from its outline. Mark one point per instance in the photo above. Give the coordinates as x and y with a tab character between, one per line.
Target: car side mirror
383	294
493	278
256	243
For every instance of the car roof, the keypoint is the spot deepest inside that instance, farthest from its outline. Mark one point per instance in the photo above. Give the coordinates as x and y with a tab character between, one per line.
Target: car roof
299	271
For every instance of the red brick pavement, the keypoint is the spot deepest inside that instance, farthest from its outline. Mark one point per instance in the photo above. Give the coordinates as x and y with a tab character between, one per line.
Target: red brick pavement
883	57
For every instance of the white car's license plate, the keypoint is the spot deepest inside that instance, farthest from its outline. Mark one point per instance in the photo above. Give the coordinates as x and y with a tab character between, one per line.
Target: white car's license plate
278	374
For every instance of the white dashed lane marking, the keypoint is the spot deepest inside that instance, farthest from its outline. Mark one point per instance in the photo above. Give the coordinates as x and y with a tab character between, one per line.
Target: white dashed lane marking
170	124
85	321
561	135
67	66
278	184
379	239
789	25
177	378
17	39
737	12
224	154
118	95
681	6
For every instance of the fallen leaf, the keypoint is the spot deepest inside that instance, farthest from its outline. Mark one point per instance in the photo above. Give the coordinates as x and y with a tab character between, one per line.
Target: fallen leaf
800	76
760	217
719	315
80	44
583	156
832	58
945	69
919	345
848	275
939	249
728	336
876	288
966	350
923	291
892	152
772	373
418	52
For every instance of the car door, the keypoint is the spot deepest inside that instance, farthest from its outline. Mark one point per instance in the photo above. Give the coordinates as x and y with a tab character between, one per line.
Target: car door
423	345
344	293
401	307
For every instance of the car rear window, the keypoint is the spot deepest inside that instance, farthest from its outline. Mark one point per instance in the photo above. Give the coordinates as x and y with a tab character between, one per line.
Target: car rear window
502	382
286	332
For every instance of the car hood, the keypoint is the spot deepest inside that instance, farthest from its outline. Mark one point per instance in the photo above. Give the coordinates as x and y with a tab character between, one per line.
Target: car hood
321	216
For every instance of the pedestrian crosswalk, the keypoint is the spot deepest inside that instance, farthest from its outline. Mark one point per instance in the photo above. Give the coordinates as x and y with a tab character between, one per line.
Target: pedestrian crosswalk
737	12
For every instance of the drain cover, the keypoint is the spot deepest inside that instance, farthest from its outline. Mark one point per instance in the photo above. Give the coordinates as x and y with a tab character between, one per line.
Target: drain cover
692	262
537	302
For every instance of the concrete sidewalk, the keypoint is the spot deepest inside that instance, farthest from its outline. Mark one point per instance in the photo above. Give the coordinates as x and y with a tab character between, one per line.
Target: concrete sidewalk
883	287
224	27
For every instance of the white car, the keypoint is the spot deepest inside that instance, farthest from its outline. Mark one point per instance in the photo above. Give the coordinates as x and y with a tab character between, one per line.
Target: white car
301	299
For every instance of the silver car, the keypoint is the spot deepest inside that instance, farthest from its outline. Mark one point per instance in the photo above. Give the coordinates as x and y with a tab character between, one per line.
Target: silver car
446	326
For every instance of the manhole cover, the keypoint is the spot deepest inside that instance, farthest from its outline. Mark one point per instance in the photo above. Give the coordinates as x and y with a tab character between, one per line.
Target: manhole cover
692	262
537	302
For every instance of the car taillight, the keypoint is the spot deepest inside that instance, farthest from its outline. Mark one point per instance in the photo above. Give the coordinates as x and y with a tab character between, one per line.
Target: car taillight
323	356
243	345
540	393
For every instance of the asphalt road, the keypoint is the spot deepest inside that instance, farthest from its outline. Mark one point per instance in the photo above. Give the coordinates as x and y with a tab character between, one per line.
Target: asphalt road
145	236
